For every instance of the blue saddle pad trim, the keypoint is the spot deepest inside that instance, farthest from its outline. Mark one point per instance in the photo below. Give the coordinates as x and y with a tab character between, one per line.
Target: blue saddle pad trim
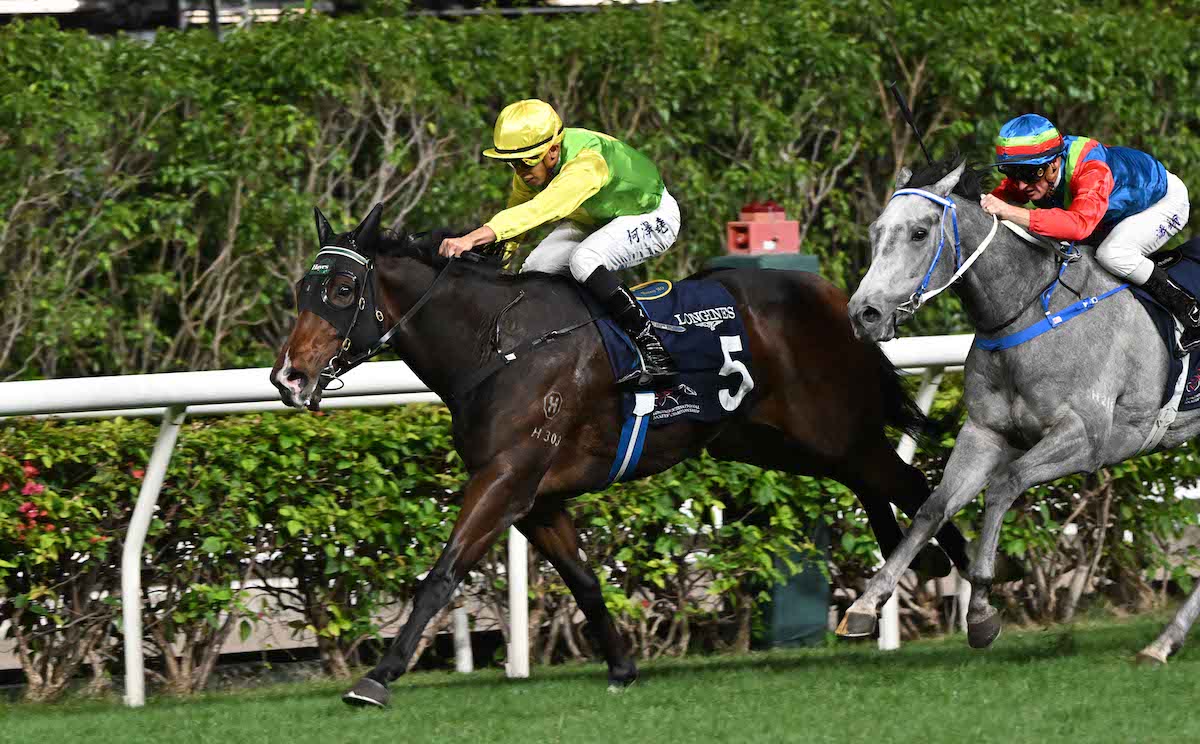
1185	272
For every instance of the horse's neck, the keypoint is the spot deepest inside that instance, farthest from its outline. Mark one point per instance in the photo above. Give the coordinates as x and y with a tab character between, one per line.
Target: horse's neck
1010	273
445	337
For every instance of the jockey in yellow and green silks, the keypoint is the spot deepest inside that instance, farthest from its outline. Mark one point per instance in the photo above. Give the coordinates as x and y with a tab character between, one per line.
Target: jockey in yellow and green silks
612	210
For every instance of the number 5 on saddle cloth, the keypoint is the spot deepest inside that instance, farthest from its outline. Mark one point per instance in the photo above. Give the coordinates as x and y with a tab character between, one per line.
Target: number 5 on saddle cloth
700	327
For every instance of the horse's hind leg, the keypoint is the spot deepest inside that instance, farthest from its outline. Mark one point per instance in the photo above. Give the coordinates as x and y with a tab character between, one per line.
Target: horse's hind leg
493	500
553	534
1172	637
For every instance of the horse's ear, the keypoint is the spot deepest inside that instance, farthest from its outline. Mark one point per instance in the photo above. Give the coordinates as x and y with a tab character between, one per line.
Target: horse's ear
902	177
367	233
949	181
324	231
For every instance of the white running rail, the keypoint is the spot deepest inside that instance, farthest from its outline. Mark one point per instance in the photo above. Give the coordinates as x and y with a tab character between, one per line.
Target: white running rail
173	396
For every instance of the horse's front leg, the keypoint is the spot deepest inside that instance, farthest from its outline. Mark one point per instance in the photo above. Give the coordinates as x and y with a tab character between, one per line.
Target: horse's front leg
1063	451
979	453
494	498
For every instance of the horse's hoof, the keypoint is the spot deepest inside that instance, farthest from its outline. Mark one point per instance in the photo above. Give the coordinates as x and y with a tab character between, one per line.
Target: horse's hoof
1151	658
622	677
856	625
982	633
367	694
931	563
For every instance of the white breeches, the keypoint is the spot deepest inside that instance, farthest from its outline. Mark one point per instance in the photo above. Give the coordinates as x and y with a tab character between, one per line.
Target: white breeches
1125	249
623	242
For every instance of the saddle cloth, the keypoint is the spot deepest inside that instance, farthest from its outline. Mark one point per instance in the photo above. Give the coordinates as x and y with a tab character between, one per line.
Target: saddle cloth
1183	265
698	323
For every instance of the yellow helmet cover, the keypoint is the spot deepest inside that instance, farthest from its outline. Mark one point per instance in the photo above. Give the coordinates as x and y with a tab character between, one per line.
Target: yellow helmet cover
525	130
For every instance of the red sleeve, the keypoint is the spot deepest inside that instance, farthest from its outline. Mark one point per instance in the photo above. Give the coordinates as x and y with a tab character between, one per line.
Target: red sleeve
1009	192
1091	186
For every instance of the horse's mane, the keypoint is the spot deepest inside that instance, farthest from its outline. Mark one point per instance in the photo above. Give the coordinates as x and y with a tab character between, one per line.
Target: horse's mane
969	186
423	246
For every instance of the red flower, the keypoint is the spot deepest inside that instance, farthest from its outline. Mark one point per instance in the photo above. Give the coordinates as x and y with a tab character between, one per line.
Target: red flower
20	527
32	489
30	470
4	486
139	474
27	506
49	528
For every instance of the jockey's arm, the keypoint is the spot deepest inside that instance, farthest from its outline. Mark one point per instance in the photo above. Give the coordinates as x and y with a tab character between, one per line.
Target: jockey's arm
483	235
574	184
1092	184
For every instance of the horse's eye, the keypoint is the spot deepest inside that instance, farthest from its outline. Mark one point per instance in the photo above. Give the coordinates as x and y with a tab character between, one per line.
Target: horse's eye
919	234
344	290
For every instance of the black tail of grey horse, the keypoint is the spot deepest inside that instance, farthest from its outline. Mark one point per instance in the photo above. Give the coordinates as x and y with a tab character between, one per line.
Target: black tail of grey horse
1035	412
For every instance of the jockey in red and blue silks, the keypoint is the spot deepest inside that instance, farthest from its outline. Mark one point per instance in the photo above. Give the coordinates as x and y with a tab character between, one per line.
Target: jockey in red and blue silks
1119	199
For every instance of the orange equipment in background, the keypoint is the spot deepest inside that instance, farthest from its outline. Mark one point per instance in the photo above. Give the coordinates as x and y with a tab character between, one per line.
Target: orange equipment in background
762	228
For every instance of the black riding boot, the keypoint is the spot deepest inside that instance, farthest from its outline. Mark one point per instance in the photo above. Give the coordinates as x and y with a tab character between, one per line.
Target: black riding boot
1182	305
658	370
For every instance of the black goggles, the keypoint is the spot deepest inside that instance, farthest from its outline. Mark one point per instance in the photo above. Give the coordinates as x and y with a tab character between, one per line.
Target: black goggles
335	288
1025	173
521	165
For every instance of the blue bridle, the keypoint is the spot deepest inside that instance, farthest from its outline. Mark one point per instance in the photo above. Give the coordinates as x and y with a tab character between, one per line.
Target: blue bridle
920	296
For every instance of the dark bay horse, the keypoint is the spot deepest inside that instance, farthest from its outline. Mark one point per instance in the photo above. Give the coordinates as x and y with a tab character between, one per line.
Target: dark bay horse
819	404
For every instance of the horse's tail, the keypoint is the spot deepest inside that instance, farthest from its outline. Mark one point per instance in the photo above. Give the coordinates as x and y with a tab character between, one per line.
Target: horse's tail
899	409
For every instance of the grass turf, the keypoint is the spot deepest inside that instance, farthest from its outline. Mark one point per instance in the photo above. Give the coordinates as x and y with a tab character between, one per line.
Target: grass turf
1060	684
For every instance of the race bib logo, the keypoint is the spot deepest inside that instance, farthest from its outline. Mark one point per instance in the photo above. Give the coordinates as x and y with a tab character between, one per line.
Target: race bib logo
709	318
677	401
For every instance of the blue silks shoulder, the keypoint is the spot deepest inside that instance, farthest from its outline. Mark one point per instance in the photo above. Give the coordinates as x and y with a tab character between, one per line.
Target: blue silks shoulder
705	336
1051	320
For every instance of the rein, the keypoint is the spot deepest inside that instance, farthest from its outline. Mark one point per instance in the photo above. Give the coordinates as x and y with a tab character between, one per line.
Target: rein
1063	258
338	365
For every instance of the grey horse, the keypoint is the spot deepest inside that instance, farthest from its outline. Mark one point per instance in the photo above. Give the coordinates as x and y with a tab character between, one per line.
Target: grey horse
1081	396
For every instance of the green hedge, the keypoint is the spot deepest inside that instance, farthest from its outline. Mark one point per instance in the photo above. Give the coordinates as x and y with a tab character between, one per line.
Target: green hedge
158	197
353	507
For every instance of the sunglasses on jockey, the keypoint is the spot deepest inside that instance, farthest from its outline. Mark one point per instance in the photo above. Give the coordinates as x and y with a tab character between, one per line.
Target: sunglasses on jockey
524	165
1025	172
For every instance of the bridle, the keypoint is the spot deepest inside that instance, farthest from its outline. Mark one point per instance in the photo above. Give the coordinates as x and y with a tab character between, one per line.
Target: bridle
921	295
918	298
350	261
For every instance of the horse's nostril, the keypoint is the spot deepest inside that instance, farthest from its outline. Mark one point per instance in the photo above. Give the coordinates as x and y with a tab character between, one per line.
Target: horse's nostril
870	315
295	375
